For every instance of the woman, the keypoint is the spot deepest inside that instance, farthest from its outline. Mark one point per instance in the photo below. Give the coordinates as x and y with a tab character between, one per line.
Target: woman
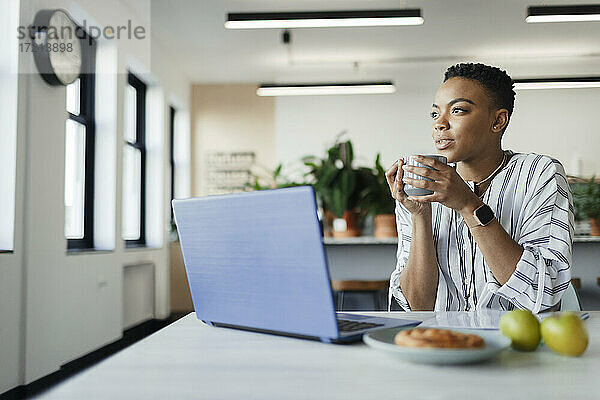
497	231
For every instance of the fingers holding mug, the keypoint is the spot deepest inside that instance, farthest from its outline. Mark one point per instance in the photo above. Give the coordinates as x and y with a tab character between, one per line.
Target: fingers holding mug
390	175
394	176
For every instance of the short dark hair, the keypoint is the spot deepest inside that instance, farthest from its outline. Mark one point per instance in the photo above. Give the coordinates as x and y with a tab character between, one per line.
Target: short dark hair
496	82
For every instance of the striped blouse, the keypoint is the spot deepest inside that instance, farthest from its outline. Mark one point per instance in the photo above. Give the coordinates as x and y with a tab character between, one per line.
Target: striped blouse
531	199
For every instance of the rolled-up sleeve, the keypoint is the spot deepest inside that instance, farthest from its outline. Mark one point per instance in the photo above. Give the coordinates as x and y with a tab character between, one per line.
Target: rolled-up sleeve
543	272
404	227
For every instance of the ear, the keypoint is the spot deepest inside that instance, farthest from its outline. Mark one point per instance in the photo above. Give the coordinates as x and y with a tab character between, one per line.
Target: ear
500	120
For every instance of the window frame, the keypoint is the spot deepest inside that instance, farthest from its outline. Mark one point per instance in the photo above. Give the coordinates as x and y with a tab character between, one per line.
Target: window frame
172	112
140	144
87	118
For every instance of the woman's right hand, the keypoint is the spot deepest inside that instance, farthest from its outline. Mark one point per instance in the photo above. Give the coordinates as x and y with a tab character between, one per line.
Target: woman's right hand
394	180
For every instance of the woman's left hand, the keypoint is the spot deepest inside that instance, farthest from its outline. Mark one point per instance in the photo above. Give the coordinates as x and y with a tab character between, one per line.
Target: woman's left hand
448	187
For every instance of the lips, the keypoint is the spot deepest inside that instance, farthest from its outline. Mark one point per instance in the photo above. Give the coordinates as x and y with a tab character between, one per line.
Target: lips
442	144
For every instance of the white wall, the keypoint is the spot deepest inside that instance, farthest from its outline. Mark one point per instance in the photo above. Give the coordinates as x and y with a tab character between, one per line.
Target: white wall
56	306
228	118
560	123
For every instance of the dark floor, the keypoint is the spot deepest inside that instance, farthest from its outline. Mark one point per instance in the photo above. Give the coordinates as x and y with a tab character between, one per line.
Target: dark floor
130	336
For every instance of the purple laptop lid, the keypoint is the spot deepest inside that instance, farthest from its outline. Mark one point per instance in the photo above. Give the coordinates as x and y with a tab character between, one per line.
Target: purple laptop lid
256	260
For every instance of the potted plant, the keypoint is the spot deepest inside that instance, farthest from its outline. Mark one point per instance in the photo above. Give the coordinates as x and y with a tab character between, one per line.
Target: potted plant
380	203
586	202
274	179
339	187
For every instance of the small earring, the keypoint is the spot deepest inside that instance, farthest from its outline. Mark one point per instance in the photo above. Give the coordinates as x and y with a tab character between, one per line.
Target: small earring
495	126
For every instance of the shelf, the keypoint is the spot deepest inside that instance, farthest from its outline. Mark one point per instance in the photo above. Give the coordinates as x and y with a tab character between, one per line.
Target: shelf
371	240
586	239
360	240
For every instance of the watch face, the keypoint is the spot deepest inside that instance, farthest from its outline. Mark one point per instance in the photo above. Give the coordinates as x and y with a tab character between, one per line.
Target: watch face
484	214
64	48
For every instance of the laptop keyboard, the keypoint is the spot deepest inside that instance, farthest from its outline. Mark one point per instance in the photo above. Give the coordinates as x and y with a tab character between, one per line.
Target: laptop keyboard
345	325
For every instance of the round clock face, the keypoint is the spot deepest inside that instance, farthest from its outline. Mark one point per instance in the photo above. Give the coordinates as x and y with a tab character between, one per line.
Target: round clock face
64	48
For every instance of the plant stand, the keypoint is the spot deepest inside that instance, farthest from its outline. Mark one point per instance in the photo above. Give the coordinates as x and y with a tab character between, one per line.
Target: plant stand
595	225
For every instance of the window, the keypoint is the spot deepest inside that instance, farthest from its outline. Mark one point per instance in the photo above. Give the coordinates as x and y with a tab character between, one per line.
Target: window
133	229
79	154
9	60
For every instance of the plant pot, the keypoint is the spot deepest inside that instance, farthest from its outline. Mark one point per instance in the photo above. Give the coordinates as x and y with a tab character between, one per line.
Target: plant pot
346	226
595	225
328	218
582	228
385	226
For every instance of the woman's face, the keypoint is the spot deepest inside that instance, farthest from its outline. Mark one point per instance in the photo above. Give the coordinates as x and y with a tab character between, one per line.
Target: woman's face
462	121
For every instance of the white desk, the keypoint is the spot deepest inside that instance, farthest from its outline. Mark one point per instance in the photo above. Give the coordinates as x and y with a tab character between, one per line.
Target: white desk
190	360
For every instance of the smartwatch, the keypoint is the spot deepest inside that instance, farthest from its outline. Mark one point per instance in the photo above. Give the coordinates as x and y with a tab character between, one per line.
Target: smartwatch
483	215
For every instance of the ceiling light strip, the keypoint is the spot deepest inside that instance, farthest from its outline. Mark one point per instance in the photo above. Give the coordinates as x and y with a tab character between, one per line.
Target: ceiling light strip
326	89
557	83
323	19
576	13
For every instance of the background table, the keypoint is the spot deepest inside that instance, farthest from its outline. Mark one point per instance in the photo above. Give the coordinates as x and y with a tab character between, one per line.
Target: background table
369	258
190	360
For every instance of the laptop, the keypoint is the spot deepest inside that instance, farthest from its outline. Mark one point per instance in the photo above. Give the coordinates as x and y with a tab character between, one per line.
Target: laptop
256	261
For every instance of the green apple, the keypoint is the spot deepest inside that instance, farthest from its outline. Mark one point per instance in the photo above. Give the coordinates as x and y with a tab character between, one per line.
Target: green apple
565	333
523	328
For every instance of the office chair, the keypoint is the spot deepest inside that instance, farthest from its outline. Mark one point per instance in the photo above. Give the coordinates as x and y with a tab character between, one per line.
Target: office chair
570	300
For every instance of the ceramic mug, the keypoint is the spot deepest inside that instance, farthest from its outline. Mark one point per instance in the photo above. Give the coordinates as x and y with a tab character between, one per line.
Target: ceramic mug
410	190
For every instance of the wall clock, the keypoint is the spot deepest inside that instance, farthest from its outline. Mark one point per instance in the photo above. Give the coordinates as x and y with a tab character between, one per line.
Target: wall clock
57	47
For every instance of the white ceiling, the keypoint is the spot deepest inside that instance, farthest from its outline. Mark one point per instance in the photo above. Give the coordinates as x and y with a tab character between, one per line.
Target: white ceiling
453	30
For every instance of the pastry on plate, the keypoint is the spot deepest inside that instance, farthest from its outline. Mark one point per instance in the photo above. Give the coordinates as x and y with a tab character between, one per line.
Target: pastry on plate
438	338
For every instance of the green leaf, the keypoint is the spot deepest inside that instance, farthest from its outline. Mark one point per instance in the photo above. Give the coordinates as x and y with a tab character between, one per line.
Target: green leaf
312	165
334	154
337	202
349	154
586	199
380	171
329	174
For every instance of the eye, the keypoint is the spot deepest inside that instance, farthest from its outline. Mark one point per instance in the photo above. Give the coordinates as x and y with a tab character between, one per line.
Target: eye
433	114
459	109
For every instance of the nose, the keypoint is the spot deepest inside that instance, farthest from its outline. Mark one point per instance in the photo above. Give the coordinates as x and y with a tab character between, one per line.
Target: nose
441	124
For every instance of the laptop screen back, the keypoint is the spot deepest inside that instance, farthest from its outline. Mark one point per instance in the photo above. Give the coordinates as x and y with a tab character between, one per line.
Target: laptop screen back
256	260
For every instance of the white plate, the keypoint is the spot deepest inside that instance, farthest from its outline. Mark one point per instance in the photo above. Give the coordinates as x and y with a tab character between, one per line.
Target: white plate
384	340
